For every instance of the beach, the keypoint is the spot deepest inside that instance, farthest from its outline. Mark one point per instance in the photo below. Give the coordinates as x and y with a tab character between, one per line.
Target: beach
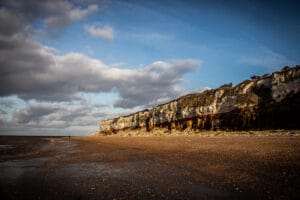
153	167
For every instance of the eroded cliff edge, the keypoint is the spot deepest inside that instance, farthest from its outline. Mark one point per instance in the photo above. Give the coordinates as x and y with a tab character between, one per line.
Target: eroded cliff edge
268	102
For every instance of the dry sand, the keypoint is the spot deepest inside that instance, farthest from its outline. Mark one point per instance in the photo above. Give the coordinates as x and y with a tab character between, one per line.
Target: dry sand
161	167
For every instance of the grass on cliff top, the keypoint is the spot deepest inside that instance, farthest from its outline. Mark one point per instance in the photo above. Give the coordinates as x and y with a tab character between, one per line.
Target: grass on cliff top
189	132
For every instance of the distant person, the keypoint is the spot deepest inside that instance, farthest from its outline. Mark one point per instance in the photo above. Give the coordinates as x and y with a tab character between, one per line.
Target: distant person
69	137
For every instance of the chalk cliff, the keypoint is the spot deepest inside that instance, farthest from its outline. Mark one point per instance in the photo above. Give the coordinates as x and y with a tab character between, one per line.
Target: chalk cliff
268	102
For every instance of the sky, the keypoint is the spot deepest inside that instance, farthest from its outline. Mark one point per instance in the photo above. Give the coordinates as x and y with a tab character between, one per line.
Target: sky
67	65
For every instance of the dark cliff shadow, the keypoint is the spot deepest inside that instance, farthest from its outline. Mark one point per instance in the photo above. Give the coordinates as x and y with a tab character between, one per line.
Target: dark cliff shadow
277	115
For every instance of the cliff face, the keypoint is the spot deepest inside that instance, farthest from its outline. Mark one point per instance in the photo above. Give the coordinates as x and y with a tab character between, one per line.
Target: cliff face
268	102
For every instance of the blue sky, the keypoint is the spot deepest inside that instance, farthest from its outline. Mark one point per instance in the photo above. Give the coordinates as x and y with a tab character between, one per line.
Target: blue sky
229	37
68	64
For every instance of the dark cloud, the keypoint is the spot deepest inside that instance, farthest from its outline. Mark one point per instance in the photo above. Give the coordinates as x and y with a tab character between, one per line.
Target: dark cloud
56	15
32	71
43	75
10	22
157	81
34	112
57	115
24	62
63	18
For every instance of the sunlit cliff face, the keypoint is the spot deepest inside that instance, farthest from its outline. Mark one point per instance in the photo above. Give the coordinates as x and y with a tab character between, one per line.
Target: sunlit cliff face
251	104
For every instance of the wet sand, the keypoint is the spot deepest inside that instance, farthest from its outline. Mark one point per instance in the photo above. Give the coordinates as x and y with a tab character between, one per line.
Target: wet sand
165	167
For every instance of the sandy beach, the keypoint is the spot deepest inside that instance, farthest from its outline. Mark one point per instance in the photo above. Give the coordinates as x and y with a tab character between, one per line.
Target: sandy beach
154	167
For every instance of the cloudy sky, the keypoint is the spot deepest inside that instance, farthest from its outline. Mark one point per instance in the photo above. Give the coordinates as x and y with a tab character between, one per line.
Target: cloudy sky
65	65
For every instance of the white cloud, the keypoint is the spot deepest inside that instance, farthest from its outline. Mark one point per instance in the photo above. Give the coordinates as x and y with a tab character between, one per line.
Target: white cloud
78	13
150	37
117	64
40	73
106	32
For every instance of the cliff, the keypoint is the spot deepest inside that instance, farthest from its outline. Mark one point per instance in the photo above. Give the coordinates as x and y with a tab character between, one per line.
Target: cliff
268	102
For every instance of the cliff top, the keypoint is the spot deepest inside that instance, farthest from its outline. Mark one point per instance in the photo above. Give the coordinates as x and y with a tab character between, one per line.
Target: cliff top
204	95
